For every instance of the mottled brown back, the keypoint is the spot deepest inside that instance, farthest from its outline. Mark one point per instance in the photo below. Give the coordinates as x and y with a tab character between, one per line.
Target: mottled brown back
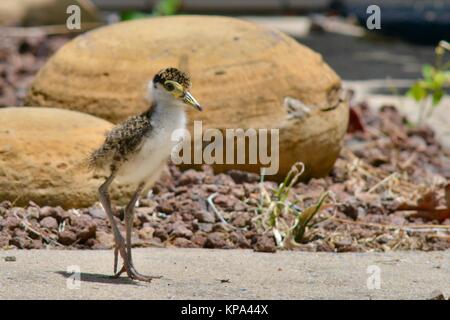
122	141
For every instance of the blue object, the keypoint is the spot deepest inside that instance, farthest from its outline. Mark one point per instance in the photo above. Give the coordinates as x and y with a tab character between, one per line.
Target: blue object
422	21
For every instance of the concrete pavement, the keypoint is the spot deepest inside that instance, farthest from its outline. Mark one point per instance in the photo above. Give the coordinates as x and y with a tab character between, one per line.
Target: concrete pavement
225	274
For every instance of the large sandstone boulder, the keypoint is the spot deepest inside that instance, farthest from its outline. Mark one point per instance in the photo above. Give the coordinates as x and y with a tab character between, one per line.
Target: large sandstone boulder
41	156
244	75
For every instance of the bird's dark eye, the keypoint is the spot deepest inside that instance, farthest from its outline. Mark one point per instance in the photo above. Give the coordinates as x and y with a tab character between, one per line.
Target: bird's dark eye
169	86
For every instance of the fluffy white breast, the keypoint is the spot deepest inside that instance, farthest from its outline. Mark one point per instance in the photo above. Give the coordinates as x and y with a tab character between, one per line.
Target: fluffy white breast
147	163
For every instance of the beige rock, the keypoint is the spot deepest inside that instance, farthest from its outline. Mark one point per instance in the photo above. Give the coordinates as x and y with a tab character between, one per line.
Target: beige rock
146	233
241	72
106	240
41	156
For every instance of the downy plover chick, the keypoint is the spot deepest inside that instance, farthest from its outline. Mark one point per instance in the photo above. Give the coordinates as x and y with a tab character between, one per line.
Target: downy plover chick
135	152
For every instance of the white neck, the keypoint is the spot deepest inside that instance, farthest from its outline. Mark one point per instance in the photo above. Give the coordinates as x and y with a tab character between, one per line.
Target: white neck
169	113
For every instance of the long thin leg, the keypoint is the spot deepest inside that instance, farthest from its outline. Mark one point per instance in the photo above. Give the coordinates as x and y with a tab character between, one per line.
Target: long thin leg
129	215
106	203
129	212
129	218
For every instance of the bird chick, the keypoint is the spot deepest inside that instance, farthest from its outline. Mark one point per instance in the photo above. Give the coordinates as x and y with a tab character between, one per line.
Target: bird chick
135	151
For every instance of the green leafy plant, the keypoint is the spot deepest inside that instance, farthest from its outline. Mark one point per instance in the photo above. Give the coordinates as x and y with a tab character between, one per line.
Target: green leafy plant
133	15
167	7
429	90
303	221
283	217
162	8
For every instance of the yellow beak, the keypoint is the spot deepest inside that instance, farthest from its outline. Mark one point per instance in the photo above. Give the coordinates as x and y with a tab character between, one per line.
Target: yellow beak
189	99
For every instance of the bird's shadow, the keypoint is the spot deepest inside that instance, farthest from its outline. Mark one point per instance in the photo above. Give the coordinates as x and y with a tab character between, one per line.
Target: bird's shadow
98	278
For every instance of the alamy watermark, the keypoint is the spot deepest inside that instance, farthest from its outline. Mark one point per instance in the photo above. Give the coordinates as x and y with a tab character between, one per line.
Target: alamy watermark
374	20
73	21
228	146
73	281
374	279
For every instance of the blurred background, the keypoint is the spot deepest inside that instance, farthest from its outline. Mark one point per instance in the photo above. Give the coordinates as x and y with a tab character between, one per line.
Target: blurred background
374	64
410	29
335	28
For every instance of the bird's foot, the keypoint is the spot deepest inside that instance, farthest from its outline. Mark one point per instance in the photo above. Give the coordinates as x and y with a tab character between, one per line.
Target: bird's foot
133	274
128	266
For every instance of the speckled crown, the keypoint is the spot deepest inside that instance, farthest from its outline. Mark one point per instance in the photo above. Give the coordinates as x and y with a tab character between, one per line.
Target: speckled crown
173	74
